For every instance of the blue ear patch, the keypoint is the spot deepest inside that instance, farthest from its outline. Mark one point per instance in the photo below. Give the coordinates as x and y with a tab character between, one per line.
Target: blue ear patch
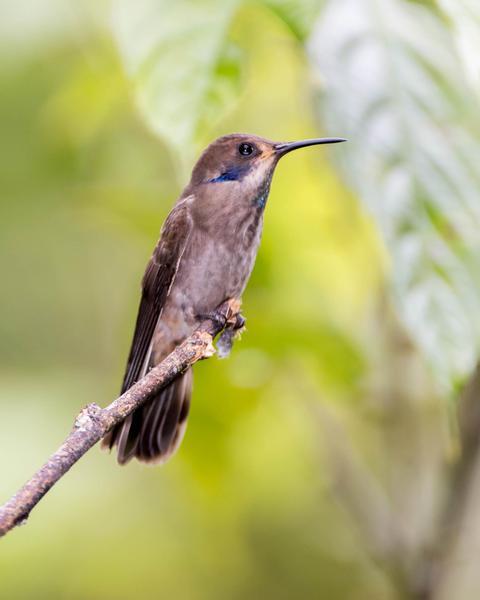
232	174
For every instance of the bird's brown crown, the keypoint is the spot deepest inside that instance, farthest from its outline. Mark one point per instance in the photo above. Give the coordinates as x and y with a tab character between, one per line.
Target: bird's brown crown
231	157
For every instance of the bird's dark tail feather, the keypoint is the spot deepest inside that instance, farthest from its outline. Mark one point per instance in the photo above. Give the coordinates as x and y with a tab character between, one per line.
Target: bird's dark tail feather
153	432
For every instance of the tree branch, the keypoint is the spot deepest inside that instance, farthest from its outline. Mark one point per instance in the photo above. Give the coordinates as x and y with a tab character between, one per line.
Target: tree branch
93	422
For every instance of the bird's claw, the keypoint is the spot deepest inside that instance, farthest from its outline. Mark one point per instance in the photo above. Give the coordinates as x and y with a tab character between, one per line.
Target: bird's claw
228	317
235	322
231	310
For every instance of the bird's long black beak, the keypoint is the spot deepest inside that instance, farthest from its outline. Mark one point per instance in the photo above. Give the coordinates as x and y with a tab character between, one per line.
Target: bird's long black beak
285	147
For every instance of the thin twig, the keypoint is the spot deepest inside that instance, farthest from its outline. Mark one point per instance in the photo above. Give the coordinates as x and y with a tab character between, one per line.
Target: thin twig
94	422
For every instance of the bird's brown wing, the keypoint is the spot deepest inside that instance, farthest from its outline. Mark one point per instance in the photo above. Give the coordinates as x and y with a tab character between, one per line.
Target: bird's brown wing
156	284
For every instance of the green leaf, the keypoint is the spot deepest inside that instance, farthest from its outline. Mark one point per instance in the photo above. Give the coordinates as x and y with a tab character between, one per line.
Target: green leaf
298	15
391	82
465	18
184	68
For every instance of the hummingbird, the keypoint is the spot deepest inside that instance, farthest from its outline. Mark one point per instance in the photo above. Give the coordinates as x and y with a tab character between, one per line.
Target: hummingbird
204	257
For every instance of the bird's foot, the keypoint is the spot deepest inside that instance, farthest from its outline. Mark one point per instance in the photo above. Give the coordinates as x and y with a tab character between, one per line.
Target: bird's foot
228	316
231	309
233	328
239	323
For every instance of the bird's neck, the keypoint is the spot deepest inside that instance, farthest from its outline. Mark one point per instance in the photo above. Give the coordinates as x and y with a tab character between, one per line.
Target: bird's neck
229	209
260	196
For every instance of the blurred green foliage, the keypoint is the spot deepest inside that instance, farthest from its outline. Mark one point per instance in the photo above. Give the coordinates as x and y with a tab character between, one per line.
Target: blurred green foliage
416	119
103	110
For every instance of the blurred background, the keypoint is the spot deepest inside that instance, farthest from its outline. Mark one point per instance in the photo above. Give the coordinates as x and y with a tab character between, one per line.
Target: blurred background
325	458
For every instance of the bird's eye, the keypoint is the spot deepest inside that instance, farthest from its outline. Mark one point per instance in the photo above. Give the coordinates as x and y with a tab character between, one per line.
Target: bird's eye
245	149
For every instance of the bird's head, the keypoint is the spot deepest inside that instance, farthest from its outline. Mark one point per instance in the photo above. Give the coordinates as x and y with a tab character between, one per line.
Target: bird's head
245	158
